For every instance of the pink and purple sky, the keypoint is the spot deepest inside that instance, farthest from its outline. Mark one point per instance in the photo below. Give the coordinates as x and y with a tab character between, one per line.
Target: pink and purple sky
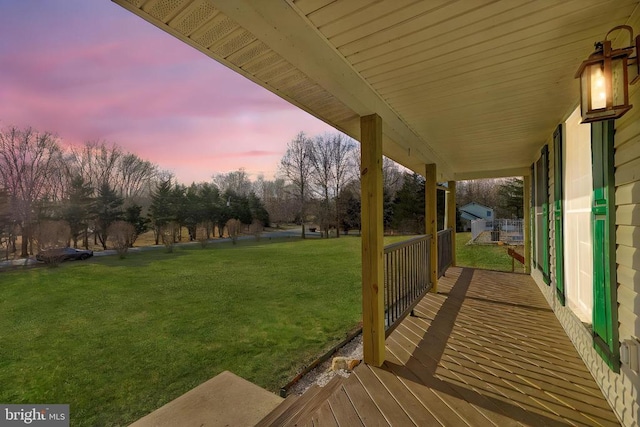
90	70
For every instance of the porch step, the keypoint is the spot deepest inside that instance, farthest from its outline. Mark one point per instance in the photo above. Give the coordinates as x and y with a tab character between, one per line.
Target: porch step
224	400
301	407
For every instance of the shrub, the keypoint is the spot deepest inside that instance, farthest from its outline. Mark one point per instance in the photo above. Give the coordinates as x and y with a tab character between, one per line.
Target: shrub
168	233
203	231
53	234
121	234
233	228
256	228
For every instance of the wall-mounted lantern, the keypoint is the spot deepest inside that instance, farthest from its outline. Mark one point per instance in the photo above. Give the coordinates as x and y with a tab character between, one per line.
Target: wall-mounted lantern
604	79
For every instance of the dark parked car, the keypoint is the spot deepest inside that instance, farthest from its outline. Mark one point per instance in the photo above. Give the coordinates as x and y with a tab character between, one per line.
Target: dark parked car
62	254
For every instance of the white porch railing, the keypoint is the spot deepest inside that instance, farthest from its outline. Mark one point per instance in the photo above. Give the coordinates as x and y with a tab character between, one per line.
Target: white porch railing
505	230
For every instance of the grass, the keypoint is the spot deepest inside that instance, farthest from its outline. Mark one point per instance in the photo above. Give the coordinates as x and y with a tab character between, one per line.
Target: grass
490	257
117	339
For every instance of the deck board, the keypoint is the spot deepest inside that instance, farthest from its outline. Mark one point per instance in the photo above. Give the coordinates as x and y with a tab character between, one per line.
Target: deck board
324	417
367	410
409	403
485	350
343	409
385	402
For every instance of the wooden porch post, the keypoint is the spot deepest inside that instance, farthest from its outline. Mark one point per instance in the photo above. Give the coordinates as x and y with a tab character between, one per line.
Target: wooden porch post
373	340
451	218
526	200
430	220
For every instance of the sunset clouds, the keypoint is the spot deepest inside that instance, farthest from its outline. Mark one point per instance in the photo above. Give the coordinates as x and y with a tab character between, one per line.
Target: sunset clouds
89	70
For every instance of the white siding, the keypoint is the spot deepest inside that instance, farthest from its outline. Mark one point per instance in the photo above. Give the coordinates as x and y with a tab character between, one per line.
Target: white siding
622	390
627	177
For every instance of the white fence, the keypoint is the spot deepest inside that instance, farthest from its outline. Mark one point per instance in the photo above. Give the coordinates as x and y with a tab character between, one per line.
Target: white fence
505	230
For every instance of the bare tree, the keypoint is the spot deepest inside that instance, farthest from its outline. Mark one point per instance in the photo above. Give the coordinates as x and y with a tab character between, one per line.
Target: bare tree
27	163
6	223
392	177
483	191
322	178
132	176
121	235
97	162
100	162
52	234
341	149
237	182
296	166
278	201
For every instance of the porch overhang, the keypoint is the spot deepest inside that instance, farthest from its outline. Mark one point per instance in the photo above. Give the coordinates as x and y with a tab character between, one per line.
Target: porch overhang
472	87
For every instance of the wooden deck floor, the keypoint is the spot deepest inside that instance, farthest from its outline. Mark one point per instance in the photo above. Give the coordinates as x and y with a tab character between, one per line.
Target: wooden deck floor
486	350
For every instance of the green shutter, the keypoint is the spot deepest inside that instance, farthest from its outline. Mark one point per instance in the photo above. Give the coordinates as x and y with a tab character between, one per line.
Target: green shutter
532	215
544	193
605	310
558	213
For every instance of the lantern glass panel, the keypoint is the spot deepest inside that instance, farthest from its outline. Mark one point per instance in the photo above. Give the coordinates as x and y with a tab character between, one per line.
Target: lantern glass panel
584	89
618	68
598	86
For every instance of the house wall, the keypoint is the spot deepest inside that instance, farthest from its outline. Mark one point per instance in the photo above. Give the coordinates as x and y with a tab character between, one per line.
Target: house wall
620	389
627	178
478	210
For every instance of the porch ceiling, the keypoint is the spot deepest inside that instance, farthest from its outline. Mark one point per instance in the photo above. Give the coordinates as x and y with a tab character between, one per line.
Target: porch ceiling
475	86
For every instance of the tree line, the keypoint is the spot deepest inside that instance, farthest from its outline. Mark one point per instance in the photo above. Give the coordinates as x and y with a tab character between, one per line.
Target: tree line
50	194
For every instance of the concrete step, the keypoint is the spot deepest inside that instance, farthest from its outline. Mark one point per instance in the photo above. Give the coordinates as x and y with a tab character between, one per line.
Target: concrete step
224	400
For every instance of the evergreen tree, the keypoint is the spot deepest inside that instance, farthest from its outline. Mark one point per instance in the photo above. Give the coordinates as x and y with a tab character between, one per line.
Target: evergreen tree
162	210
77	209
107	209
258	211
133	215
210	201
350	217
181	209
193	210
510	196
409	206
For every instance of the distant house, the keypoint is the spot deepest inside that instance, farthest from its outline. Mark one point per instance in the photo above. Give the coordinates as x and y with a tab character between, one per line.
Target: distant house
472	211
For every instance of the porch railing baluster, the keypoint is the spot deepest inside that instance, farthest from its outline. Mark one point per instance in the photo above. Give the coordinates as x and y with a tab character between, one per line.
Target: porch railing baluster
406	277
445	257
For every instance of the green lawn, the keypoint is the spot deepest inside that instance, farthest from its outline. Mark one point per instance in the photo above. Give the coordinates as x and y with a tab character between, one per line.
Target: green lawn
490	257
117	339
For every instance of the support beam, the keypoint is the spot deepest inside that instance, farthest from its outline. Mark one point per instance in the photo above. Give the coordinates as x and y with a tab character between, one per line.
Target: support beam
373	333
430	220
451	218
526	200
